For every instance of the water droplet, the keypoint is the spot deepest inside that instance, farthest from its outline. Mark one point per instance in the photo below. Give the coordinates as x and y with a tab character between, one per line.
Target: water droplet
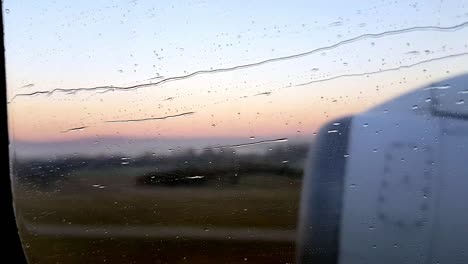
285	161
195	177
374	150
414	52
428	99
374	246
371	227
252	137
438	87
352	185
414	107
332	131
460	102
7	11
365	125
346	155
336	123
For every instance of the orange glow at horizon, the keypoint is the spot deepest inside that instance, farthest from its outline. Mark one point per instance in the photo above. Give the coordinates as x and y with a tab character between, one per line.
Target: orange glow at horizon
229	113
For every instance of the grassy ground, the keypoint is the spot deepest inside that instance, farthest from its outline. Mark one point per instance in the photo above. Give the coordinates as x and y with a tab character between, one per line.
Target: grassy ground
243	205
80	250
258	201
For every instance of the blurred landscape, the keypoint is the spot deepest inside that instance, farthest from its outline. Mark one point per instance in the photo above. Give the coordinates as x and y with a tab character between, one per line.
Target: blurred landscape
106	207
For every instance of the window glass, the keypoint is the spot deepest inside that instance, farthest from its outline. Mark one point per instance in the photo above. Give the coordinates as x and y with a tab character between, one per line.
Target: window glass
178	131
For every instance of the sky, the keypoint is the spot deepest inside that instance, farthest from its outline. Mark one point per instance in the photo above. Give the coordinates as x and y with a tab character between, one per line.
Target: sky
84	44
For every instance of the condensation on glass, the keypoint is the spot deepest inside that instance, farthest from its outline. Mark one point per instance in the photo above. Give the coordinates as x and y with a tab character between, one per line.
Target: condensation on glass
186	132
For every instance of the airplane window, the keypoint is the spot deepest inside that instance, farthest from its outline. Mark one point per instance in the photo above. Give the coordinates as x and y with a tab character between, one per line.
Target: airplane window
239	132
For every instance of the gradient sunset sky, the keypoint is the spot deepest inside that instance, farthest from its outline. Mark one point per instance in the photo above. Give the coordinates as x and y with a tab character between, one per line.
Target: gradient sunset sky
84	44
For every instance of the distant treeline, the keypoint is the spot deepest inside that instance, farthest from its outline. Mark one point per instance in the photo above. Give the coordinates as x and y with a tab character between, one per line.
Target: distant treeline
189	166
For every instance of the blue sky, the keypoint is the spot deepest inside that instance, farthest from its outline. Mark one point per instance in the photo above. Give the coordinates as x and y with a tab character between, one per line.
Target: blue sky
178	36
